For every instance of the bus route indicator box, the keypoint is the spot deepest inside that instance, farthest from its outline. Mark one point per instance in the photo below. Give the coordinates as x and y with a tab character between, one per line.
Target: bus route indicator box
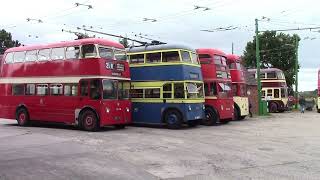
116	66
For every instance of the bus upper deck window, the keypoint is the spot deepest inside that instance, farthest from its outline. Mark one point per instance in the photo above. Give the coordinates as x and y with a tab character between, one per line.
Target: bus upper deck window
19	56
44	54
136	58
31	55
9	58
172	56
224	61
194	58
185	56
89	51
105	52
153	57
72	52
205	58
120	55
271	75
57	53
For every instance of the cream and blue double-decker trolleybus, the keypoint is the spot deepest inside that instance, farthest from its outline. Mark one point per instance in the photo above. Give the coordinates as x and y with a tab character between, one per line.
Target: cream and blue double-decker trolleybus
167	86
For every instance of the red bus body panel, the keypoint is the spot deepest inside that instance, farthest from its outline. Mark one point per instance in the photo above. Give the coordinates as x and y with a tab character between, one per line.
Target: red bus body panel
222	104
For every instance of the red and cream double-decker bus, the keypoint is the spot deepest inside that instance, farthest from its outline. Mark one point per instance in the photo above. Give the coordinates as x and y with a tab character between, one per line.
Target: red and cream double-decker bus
217	85
274	88
239	87
82	82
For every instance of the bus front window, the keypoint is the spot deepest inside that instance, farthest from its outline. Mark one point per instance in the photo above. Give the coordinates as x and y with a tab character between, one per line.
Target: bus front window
109	89
89	51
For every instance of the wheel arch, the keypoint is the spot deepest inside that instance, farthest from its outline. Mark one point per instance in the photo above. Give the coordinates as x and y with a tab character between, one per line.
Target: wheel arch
78	115
168	109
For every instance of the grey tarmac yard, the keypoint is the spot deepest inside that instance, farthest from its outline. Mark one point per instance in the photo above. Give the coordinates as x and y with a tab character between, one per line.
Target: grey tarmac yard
283	146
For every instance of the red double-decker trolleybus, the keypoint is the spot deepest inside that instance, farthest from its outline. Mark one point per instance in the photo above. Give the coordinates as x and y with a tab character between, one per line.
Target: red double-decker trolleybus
217	84
82	82
239	87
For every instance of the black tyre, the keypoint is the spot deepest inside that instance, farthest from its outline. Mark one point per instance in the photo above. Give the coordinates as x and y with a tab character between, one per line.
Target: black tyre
273	107
120	126
225	122
173	119
318	110
193	123
89	121
211	117
22	117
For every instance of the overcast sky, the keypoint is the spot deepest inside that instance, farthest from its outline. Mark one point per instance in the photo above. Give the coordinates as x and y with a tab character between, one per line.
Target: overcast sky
177	22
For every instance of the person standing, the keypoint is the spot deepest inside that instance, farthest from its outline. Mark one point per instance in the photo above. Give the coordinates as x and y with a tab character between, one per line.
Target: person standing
302	103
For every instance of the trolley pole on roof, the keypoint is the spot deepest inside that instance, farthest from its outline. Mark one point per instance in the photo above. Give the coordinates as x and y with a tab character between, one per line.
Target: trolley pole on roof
260	106
232	47
296	72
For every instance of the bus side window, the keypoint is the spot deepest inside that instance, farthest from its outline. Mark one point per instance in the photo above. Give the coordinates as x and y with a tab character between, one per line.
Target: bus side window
72	52
136	93
213	89
31	56
276	93
56	89
42	89
152	93
263	94
178	90
71	90
172	56
19	57
235	89
18	89
206	89
95	89
137	58
84	88
9	58
153	57
57	54
269	92
88	51
185	56
167	90
44	54
30	89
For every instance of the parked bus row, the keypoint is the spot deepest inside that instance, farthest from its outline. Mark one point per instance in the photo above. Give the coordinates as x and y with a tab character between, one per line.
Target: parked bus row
93	83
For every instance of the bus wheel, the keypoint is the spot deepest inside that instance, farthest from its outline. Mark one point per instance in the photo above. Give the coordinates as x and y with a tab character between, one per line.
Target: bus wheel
193	123
22	117
89	121
273	107
120	126
211	117
173	119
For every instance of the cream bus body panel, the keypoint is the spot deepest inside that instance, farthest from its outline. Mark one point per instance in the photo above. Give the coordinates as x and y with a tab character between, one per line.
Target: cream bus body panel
243	104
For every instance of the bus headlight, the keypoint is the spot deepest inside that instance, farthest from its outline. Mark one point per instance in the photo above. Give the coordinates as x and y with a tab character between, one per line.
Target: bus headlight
128	110
107	110
203	107
189	108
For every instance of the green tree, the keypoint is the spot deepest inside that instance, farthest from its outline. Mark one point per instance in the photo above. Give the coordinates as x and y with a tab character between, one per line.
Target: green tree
124	42
277	50
6	41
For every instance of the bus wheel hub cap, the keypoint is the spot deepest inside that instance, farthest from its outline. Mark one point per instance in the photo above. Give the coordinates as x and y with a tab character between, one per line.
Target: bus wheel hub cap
89	121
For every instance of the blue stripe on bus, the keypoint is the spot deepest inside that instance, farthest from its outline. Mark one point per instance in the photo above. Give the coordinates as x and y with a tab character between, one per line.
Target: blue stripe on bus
165	73
151	113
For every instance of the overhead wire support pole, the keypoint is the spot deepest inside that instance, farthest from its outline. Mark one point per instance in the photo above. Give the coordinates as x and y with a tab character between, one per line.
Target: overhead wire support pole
296	71
258	68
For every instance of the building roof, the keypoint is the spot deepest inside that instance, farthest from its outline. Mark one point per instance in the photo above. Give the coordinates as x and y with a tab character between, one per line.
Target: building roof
265	70
158	48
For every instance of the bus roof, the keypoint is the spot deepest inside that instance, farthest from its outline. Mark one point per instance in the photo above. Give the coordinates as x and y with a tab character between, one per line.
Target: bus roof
211	51
158	48
233	58
78	42
265	70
